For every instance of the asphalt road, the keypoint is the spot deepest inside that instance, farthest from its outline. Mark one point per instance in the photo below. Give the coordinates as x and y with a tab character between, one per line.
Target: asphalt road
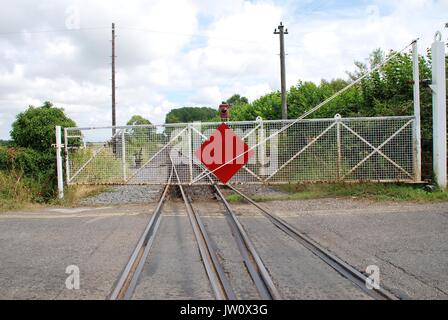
36	248
296	272
406	241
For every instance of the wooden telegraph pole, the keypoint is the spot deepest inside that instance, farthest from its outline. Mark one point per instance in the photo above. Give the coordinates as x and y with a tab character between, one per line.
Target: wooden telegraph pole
113	80
281	32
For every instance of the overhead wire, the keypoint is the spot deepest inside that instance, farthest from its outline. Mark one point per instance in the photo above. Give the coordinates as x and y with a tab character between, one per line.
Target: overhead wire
22	32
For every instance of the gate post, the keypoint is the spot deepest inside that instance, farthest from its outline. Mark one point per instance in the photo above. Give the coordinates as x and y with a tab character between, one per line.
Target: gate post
123	154
59	163
338	118
190	151
67	166
262	147
417	146
438	87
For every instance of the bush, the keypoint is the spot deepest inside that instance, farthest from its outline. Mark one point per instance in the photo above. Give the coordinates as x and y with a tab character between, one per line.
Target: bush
36	170
35	128
27	163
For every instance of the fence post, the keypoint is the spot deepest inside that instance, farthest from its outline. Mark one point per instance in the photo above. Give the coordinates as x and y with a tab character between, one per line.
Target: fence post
417	146
438	87
338	118
123	153
67	167
262	147
59	168
190	151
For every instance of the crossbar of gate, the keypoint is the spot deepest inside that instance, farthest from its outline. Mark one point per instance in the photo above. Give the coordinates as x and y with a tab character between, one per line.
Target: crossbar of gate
376	149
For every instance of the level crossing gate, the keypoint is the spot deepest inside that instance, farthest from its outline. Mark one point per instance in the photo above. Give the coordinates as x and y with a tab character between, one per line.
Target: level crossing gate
340	149
376	149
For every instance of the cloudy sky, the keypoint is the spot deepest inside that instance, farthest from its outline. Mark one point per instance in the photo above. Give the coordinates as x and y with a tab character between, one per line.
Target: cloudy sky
187	52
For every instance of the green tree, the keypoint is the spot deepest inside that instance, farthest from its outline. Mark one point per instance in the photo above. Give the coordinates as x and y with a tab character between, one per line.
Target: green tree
191	114
140	133
387	91
303	97
141	140
138	120
35	127
267	107
31	155
237	100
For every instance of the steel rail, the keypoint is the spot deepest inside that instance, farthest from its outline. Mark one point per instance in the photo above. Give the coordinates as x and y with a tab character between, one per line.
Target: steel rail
218	280
254	264
343	268
127	282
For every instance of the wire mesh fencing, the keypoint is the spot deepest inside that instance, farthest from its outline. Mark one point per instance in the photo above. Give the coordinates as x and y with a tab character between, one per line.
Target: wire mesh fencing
318	150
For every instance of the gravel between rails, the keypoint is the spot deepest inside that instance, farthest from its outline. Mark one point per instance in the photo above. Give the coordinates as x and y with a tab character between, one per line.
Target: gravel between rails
130	194
142	194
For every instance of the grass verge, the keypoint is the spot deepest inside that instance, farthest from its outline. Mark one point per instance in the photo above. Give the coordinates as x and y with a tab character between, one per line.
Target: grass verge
370	191
15	193
18	192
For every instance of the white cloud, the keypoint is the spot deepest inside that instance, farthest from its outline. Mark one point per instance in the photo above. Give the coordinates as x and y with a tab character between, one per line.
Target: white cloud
255	91
60	48
332	41
201	53
208	96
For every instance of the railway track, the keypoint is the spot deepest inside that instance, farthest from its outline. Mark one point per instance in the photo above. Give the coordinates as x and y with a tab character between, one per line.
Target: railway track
254	264
219	282
340	266
125	286
256	269
344	269
215	272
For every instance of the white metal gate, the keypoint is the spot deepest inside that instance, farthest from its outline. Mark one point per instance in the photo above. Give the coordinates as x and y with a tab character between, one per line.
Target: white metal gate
381	149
